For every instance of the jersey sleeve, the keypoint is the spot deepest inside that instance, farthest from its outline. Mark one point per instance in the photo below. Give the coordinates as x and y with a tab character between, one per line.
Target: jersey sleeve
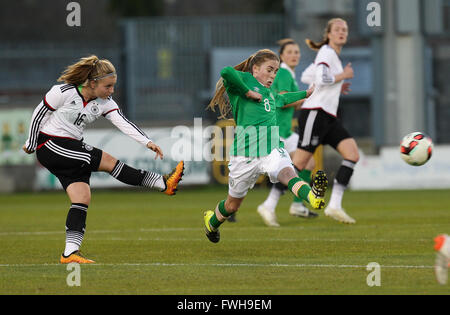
233	80
40	116
52	100
109	107
323	75
115	116
324	57
292	97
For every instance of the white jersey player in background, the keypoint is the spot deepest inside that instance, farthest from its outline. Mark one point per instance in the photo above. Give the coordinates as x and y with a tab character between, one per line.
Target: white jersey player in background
56	135
318	122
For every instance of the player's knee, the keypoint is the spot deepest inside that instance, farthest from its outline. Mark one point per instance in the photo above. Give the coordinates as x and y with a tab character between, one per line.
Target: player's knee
299	164
301	160
311	164
107	162
84	198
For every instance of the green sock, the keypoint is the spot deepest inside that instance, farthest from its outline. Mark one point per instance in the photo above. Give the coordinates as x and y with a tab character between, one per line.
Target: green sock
301	192
305	175
214	222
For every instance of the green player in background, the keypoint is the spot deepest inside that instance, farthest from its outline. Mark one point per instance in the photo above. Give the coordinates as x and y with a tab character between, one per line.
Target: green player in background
257	148
285	81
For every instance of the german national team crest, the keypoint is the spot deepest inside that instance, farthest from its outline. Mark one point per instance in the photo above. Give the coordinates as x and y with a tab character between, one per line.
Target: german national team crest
94	109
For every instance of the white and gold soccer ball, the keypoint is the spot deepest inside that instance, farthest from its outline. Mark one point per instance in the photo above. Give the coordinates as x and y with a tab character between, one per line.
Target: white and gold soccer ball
416	148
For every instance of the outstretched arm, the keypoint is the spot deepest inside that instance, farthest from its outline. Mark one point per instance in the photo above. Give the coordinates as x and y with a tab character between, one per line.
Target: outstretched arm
291	99
130	129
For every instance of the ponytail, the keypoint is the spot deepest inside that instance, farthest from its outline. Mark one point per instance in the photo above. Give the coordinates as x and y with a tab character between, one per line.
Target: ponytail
87	68
316	46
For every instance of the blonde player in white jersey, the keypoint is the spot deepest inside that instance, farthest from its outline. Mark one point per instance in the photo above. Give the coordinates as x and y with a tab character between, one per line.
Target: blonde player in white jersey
56	135
318	122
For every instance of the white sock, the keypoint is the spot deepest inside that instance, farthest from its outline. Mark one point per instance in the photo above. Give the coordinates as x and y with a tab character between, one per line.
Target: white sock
70	248
159	184
273	198
336	195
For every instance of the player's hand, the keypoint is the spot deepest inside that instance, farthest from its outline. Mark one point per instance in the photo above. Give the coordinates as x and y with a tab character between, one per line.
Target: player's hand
348	71
24	148
310	91
346	88
254	95
155	149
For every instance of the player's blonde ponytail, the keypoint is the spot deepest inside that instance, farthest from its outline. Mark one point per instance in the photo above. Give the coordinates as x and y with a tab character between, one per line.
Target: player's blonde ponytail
220	99
87	68
325	40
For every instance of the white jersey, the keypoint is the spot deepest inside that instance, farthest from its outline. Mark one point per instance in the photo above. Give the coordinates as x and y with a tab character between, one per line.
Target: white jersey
64	113
326	94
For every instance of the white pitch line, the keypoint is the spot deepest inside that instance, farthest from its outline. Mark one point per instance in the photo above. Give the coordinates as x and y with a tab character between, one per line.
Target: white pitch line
169	229
159	264
99	231
144	239
113	238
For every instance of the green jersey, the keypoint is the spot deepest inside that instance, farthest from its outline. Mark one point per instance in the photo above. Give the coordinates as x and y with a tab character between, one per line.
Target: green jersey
257	130
284	82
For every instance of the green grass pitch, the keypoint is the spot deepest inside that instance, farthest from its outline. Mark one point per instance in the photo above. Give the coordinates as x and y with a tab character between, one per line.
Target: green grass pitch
149	243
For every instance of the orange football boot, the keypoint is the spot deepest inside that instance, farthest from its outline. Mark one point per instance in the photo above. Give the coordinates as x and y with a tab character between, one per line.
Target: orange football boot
173	179
75	257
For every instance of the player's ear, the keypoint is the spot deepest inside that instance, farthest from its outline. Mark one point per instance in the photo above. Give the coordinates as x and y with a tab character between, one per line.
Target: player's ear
92	84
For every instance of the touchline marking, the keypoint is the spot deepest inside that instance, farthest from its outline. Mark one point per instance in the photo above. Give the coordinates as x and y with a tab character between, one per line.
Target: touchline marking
171	229
201	239
160	264
149	230
99	231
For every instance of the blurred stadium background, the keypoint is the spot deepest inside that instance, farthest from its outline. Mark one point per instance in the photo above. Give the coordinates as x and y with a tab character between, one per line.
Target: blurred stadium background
169	53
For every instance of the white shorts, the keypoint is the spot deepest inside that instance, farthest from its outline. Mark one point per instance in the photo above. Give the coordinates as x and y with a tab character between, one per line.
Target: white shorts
290	144
244	171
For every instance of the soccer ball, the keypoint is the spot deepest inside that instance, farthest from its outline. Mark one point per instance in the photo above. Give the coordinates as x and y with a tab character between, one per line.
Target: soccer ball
416	148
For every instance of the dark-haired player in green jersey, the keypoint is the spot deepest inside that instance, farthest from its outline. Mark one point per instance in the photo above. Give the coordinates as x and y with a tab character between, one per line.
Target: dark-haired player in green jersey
289	53
257	148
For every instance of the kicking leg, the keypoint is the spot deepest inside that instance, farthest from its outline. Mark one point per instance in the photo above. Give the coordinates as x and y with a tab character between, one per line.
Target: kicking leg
313	194
131	176
297	207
